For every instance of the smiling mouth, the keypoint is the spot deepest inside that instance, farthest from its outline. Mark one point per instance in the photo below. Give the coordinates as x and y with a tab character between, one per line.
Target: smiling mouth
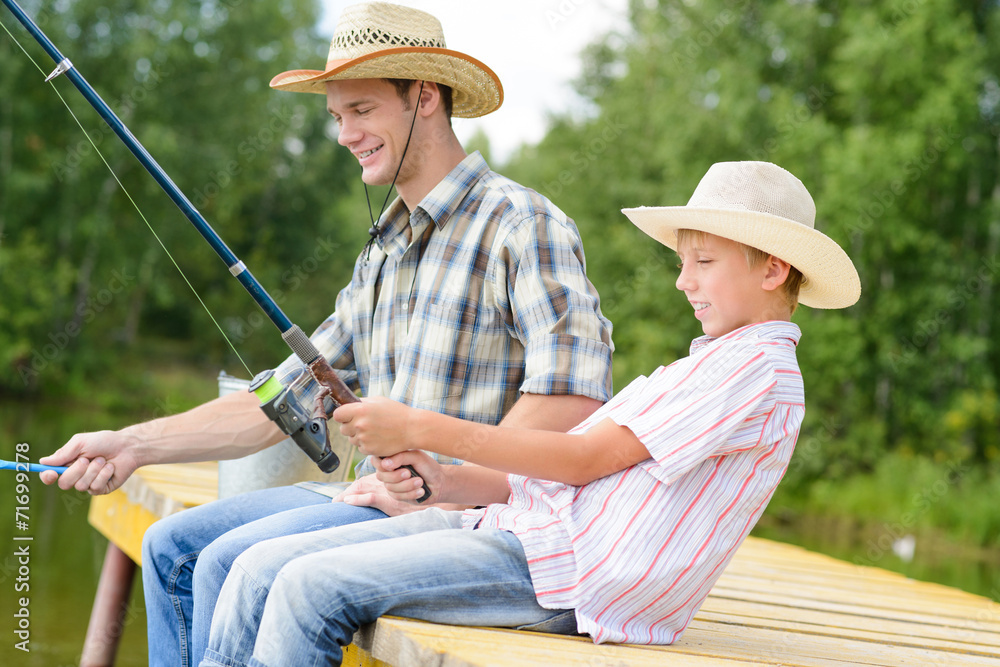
364	154
699	305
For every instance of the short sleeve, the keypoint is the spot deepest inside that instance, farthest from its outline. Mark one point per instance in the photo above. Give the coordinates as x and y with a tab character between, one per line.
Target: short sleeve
548	303
690	410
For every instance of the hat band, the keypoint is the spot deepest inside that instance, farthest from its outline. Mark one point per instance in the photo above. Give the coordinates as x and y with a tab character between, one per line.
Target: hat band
351	40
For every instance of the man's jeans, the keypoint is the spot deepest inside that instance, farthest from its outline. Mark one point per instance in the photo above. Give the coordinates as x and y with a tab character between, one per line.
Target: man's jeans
186	557
297	600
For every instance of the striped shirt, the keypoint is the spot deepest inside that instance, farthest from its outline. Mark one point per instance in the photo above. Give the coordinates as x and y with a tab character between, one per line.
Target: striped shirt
478	295
635	553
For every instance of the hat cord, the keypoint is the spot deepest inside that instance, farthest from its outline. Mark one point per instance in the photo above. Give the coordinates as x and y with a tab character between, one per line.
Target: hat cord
375	232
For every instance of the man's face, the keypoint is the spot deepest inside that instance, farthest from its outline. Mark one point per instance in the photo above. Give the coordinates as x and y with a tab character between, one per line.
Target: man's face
374	124
726	294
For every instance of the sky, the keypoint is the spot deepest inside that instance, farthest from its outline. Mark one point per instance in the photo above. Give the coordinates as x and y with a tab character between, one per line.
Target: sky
532	45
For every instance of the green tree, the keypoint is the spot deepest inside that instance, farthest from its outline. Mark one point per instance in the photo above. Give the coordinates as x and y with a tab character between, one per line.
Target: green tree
888	113
82	275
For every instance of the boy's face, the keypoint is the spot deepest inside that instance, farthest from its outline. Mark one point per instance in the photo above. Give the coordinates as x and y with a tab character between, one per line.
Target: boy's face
725	292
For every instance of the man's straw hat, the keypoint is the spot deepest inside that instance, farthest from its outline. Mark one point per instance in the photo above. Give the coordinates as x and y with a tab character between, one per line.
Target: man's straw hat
378	40
763	206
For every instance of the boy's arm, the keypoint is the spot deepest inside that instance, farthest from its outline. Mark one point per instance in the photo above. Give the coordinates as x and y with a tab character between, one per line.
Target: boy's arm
383	427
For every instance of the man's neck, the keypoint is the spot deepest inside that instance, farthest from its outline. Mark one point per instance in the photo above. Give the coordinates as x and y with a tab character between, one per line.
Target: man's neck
438	163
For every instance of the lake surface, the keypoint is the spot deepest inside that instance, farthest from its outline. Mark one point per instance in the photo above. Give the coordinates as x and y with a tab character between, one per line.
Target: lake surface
57	583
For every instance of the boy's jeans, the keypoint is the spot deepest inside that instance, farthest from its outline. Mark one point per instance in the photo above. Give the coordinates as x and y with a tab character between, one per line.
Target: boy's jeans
297	600
180	597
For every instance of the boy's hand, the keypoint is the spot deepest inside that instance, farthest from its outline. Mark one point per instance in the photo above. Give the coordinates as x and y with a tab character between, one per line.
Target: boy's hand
377	426
400	482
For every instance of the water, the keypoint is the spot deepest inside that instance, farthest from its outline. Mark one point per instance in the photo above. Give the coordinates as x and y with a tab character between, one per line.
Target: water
54	582
65	554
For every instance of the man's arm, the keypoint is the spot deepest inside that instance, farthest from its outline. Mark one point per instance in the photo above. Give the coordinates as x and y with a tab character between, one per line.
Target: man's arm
228	427
550	413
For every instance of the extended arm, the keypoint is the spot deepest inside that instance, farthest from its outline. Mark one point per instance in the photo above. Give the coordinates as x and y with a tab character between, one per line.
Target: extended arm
227	427
383	428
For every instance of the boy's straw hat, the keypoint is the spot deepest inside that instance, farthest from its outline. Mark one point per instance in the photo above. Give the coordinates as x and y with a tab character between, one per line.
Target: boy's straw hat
378	40
763	206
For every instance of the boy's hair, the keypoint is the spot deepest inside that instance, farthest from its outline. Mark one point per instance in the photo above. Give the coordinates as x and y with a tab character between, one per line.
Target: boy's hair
402	87
755	258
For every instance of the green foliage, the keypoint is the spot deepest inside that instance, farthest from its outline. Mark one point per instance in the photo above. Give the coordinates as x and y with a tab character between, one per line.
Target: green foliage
888	112
81	274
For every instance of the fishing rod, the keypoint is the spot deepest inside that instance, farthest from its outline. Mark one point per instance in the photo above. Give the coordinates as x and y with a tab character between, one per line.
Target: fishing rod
23	466
286	406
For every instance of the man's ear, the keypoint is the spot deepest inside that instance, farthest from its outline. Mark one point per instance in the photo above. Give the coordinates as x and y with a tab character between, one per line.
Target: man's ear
776	274
430	98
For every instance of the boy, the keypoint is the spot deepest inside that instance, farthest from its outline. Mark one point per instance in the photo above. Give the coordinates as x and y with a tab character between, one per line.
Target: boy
617	529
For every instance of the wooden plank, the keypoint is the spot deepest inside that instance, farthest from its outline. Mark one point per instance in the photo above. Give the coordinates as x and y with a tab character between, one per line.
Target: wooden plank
355	656
804	649
122	522
406	643
124	515
971	618
824	622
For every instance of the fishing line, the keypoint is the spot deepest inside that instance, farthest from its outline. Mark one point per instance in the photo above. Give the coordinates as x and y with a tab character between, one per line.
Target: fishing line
136	206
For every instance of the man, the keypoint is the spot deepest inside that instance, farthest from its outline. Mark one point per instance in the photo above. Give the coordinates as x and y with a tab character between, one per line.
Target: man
472	301
618	529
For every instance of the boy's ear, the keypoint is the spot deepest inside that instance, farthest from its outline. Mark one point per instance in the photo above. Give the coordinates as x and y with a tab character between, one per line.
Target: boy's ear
776	274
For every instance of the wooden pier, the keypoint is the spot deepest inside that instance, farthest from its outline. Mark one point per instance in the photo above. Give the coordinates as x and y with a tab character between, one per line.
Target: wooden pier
775	604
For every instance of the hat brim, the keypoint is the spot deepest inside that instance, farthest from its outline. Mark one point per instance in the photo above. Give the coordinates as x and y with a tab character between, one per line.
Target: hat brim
831	280
476	89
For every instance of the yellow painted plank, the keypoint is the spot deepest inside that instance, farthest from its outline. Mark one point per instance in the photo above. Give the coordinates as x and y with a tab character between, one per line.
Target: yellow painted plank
358	657
122	522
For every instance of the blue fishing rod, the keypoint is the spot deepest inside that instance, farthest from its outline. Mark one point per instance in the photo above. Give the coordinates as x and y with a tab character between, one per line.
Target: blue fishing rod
305	424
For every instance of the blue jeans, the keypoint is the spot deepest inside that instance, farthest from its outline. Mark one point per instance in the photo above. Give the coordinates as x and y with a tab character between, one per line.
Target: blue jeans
186	557
297	600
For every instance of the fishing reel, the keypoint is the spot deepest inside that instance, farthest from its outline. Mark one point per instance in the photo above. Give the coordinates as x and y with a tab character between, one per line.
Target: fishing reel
296	412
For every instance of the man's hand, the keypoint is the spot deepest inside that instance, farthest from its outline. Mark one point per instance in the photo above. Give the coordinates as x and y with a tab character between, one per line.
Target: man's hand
378	426
368	491
400	482
98	462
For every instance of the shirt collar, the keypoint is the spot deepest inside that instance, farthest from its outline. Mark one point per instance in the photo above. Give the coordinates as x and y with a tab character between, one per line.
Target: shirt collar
400	226
772	330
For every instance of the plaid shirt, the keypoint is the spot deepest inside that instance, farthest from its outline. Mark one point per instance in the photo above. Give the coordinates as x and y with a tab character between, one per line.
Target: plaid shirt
476	296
